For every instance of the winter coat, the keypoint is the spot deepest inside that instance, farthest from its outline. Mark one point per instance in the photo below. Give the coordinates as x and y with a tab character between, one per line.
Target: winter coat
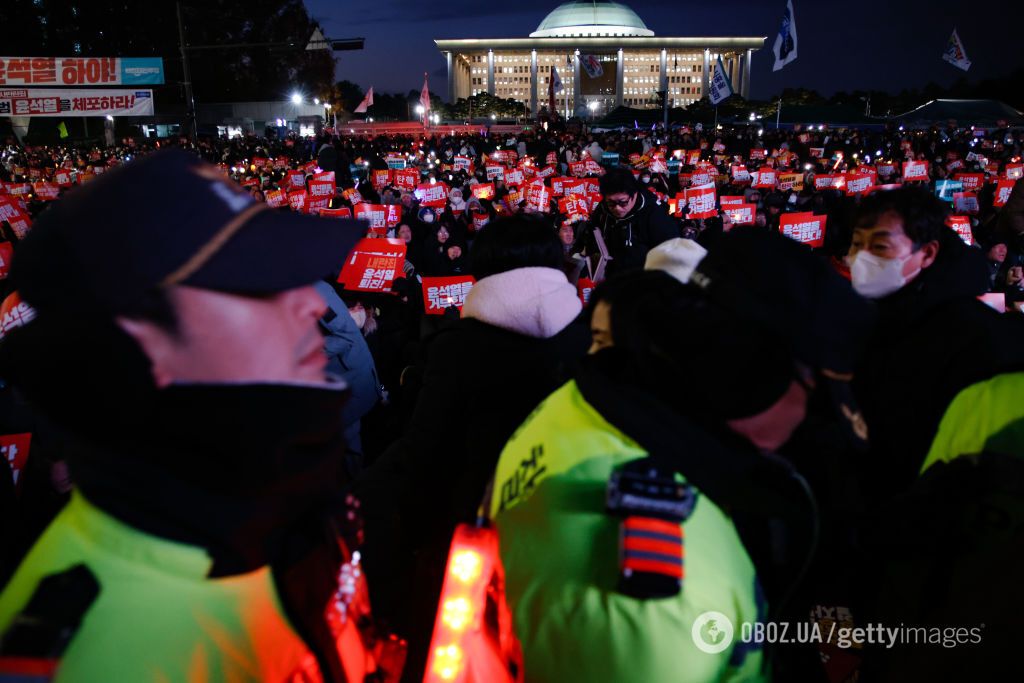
932	339
519	338
349	357
630	238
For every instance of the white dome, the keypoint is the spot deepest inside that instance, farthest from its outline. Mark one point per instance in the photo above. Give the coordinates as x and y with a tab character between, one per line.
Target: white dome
591	18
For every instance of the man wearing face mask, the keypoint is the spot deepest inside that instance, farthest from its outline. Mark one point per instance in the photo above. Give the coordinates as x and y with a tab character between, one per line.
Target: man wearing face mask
933	337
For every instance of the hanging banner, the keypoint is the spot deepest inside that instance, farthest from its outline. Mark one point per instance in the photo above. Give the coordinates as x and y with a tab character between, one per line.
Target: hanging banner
67	71
440	293
40	102
373	265
803	227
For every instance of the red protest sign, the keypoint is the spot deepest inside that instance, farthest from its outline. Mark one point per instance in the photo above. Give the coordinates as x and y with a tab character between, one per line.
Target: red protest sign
972	182
6	254
830	182
885	168
765	177
380	178
495	172
593	168
954	165
432	194
295	180
741	214
578	169
514	177
1003	189
374	214
691	158
803	227
538	198
757	153
62	178
14	215
574	207
275	198
373	265
341	212
547	172
577	187
817	152
327	176
584	288
440	293
1013	171
46	191
14	313
463	164
321	188
701	202
406	178
483	191
858	183
729	200
740	174
309	167
298	200
14	448
703	177
915	170
961	225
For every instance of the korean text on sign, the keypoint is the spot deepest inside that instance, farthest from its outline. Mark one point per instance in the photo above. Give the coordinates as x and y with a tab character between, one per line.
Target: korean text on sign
439	293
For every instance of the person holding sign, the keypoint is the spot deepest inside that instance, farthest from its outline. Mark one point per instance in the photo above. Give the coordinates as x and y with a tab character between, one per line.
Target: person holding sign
630	220
209	525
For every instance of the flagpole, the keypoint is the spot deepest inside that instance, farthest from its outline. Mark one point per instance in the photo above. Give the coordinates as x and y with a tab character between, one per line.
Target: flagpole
716	117
778	114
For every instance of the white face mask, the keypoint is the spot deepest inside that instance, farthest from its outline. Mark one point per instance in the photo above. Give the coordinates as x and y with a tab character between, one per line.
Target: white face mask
359	317
876	277
428	218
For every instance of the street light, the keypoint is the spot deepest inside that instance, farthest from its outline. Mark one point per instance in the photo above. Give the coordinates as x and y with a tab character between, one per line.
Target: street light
494	117
592	106
316	100
419	110
296	98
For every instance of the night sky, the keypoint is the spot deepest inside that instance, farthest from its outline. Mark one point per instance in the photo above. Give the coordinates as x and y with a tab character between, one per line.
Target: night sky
882	45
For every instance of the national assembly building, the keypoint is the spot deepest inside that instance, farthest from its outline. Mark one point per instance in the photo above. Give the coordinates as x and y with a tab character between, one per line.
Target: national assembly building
605	57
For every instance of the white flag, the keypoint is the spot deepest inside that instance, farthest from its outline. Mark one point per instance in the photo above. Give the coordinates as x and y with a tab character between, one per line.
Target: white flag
366	103
785	42
720	87
955	54
592	65
556	81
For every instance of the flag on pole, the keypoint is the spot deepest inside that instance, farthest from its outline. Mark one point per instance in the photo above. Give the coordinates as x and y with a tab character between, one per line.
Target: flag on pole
366	103
785	42
62	130
955	54
425	97
720	87
592	65
554	86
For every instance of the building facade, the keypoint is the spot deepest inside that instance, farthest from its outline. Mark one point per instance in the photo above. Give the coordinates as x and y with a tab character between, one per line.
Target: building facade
605	57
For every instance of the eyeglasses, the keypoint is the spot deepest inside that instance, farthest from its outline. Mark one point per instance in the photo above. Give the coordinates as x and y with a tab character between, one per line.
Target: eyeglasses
622	203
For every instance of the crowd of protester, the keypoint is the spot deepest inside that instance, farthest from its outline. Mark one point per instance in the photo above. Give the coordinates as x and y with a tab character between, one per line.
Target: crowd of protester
840	402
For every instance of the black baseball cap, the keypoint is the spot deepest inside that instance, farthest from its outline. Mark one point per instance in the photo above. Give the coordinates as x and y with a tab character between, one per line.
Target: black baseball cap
167	219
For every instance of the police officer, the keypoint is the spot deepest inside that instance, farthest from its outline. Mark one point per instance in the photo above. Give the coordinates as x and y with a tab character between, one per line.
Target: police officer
176	340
